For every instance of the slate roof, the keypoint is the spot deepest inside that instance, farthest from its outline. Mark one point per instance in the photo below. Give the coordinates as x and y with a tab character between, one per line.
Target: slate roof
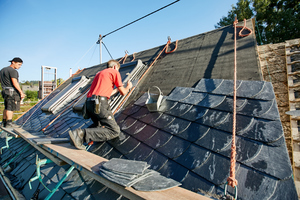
189	140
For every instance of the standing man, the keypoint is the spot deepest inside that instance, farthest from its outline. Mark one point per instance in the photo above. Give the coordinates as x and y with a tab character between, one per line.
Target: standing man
11	91
98	109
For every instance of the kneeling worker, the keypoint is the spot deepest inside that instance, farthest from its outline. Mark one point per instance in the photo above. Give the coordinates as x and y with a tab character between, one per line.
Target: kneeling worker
98	109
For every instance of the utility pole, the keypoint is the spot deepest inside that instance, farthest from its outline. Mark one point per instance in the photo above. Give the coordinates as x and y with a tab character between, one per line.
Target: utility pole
100	47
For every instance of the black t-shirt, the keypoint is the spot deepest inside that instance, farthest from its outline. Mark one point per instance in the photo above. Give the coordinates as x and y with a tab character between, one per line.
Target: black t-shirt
6	74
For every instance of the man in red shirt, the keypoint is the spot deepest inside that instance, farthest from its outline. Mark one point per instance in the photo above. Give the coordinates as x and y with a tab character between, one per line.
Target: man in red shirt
98	109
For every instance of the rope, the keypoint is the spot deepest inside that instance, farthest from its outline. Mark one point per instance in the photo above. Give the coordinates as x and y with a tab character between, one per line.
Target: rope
169	42
84	54
231	179
244	27
141	18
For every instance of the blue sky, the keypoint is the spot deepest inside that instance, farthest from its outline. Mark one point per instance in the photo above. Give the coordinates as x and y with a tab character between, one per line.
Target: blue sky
63	33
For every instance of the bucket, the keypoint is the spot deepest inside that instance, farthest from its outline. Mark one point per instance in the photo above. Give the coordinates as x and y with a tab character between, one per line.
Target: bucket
154	100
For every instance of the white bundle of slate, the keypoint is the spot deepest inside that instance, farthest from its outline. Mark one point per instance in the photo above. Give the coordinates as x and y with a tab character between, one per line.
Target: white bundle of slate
135	173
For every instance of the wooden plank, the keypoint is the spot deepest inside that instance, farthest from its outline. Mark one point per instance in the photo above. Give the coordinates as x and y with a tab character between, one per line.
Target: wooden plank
90	163
10	131
27	137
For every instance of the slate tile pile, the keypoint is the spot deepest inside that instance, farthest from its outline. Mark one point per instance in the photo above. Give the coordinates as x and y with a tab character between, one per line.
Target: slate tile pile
135	173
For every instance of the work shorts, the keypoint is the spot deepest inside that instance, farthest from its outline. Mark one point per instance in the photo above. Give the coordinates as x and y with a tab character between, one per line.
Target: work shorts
11	101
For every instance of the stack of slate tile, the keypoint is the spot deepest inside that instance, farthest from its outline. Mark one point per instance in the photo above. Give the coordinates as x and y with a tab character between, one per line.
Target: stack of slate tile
136	174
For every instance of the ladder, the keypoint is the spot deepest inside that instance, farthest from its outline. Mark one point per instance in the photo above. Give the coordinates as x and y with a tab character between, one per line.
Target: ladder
293	80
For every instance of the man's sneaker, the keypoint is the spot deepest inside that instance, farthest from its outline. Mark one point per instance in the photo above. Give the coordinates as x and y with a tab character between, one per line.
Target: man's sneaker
76	137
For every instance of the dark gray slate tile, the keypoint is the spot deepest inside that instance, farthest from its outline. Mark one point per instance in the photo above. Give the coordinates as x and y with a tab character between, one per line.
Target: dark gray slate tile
210	170
226	124
213	118
227	104
147	133
226	87
195	183
131	109
179	109
102	149
173	170
140	113
156	182
163	120
263	130
215	140
195	113
193	157
254	185
245	149
151	117
179	93
272	113
141	152
264	161
128	122
194	132
76	180
208	85
211	101
249	89
177	126
167	105
243	123
120	117
267	92
285	189
174	147
136	128
194	98
141	100
257	108
156	160
113	154
127	146
159	139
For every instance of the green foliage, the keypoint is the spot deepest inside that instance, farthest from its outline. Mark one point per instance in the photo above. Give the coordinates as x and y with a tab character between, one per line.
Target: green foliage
31	95
276	20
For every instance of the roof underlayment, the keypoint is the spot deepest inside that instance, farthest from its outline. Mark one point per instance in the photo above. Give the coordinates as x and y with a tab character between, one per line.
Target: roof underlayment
189	139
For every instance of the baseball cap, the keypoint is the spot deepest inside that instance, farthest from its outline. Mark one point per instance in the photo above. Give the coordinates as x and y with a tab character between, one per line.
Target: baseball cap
16	59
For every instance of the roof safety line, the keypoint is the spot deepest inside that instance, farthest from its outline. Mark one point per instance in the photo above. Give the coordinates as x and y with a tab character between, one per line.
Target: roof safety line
231	179
169	42
124	57
128	94
244	27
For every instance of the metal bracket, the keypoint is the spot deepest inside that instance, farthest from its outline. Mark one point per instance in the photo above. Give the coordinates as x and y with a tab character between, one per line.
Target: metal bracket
39	163
7	138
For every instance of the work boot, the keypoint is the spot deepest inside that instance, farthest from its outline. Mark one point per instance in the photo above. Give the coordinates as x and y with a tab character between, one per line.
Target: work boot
9	124
3	123
76	137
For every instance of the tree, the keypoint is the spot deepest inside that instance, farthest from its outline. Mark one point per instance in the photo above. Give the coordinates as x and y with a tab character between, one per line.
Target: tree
242	11
276	20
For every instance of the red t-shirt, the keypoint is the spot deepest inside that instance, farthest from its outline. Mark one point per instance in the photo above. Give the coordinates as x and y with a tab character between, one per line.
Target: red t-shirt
104	82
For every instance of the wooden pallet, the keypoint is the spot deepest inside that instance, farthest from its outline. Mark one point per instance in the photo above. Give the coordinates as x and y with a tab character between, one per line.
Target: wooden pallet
90	163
